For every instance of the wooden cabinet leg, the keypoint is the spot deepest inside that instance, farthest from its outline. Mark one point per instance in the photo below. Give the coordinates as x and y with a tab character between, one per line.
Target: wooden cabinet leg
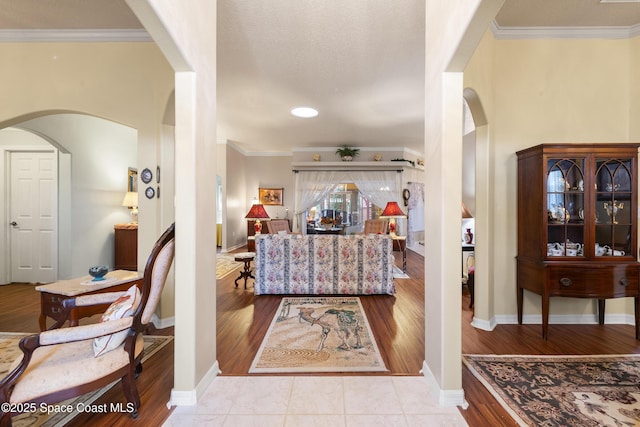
637	315
545	317
519	293
601	311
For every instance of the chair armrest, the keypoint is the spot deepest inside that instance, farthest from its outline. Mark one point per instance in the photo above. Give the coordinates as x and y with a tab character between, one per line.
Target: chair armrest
84	301
96	299
79	333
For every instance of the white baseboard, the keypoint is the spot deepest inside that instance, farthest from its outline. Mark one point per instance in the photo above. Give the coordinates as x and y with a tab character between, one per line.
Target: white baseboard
182	398
445	397
566	319
190	397
233	248
485	325
163	323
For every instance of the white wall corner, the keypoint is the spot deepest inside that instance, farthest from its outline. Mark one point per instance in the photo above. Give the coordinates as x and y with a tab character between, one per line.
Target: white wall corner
445	397
182	398
190	397
485	325
163	323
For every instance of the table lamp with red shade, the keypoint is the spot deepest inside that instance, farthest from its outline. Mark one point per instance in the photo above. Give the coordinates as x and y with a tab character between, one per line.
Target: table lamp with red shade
392	211
257	213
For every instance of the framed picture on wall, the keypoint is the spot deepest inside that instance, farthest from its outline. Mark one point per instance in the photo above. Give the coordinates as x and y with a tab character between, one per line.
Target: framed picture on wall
271	196
132	180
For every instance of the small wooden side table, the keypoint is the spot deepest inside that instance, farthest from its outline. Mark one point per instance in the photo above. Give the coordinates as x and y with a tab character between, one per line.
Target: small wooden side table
53	295
246	258
400	245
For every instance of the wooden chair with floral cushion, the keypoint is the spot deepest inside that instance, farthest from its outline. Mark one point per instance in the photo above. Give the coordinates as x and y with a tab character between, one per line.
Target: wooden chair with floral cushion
59	364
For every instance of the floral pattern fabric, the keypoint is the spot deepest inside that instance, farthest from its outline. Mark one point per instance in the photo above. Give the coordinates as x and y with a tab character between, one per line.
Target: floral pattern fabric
317	264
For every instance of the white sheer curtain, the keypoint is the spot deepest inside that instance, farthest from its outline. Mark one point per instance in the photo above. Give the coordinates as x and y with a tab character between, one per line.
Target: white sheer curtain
416	210
379	187
311	188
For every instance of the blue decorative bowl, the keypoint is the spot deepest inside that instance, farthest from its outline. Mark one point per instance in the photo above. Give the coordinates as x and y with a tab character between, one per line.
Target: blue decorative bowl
98	272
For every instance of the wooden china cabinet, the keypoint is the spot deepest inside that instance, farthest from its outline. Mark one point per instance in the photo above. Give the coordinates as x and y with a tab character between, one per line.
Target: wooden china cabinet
578	224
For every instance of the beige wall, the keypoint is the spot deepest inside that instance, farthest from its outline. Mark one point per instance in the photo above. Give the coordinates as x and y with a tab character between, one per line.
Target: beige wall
271	172
235	199
634	90
537	91
127	83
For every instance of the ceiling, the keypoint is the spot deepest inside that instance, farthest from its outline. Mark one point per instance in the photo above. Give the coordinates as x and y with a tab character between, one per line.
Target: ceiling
359	62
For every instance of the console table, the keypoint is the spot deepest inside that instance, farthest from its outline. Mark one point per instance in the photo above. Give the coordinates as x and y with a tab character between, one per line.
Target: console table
53	295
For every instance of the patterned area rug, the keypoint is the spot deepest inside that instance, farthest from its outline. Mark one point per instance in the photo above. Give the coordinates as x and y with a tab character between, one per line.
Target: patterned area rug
225	265
9	351
318	334
563	391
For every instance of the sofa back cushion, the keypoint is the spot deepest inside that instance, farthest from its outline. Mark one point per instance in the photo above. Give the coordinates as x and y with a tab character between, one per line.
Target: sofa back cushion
324	264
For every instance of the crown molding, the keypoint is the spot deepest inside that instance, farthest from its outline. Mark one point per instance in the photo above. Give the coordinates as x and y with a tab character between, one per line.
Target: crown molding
517	33
391	165
73	36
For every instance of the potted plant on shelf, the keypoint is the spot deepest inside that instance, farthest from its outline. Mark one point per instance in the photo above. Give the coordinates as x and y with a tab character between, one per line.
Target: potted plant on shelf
347	153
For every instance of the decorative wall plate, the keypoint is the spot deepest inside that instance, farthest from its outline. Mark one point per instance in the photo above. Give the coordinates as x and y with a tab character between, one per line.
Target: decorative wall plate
146	175
150	192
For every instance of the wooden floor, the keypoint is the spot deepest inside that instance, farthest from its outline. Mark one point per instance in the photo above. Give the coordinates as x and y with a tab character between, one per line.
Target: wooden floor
397	323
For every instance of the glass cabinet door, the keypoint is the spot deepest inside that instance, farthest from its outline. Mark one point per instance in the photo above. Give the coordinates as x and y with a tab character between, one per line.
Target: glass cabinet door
613	209
565	207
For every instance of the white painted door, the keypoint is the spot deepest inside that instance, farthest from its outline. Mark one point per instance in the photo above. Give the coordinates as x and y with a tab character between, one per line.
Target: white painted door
33	208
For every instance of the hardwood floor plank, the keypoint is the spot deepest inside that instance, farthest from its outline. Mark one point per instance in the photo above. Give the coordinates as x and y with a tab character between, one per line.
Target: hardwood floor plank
397	324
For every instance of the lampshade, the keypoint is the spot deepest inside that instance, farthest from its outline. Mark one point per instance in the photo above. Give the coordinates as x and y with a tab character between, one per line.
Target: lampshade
465	212
392	210
130	199
257	212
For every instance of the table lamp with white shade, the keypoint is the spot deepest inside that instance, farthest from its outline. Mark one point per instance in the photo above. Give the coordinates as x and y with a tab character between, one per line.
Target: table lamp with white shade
131	201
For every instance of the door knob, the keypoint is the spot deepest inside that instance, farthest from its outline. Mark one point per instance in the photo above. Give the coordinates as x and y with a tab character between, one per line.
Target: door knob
13	223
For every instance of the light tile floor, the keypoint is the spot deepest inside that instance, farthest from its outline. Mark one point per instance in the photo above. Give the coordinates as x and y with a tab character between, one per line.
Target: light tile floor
310	401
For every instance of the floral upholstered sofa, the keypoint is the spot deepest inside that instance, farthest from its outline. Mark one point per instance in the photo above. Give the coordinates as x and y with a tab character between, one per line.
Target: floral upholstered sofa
324	264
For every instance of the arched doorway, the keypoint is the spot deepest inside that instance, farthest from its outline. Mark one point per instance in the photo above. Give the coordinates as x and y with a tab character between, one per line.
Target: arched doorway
92	162
479	144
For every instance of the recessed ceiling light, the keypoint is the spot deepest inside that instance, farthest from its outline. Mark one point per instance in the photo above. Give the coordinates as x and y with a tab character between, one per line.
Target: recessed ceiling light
304	112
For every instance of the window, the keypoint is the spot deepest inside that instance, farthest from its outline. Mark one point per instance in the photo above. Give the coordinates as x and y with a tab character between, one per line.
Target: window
345	207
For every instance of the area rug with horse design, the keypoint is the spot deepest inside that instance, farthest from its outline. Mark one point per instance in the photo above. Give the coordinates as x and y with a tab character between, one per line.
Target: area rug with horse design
586	391
319	334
